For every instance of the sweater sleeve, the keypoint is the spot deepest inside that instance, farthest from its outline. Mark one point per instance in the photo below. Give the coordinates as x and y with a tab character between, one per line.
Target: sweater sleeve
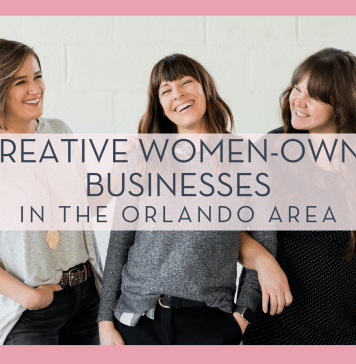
249	292
119	246
117	254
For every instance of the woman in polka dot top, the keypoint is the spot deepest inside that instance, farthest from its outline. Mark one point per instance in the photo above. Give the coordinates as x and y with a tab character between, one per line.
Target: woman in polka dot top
320	265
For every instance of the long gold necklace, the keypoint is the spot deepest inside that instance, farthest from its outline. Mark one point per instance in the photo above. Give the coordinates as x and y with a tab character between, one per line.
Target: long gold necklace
52	236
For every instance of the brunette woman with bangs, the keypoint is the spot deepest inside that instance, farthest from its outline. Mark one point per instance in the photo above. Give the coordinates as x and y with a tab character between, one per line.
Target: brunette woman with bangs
184	69
320	265
158	288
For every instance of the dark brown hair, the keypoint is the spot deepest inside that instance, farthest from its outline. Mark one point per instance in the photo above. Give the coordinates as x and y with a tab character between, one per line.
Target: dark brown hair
170	69
12	56
332	80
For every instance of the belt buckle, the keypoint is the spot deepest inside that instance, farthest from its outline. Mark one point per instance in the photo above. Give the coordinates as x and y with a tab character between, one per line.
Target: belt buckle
69	273
160	303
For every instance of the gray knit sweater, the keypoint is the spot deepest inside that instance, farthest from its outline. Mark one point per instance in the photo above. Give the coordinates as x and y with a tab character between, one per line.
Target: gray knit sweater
196	265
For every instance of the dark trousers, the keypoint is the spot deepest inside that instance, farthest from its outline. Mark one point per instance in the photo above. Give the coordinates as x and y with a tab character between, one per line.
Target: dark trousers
183	326
69	320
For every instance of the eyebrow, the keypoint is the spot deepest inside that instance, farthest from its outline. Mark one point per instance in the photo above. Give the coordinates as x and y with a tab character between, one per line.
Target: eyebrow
23	77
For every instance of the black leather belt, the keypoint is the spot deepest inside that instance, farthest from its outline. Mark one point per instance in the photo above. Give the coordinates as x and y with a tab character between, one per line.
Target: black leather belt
176	302
76	275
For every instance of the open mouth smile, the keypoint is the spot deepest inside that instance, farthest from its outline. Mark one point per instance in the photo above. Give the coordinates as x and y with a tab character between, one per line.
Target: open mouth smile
32	102
300	114
185	106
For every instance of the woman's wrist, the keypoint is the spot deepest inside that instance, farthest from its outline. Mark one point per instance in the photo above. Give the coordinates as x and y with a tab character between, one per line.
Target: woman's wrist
29	297
106	324
263	261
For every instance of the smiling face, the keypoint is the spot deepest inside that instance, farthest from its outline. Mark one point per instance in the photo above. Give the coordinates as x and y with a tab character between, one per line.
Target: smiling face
24	98
183	102
310	114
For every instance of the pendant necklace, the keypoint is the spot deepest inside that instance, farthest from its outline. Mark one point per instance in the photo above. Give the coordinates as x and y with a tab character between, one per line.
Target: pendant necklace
52	236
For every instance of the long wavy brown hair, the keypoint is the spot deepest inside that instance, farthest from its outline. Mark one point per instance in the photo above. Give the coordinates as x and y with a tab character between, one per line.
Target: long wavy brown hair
218	115
332	80
12	56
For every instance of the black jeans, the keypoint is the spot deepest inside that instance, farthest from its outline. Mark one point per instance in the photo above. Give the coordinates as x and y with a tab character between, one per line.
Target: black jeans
183	326
69	320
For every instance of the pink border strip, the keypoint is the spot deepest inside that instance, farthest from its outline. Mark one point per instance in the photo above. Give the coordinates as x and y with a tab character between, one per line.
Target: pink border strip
183	7
177	355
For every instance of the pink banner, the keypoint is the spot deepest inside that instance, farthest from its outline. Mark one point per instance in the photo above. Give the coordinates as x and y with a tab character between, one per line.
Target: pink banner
183	8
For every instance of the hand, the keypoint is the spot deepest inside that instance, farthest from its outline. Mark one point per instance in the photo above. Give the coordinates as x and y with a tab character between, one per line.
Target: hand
108	334
274	286
41	296
241	321
131	143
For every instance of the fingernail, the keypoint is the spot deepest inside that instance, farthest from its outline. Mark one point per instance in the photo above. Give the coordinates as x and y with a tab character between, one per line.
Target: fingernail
132	145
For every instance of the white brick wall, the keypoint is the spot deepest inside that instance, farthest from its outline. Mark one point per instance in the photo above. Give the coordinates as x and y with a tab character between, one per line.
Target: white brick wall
327	31
159	30
10	27
68	30
97	68
252	31
111	67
